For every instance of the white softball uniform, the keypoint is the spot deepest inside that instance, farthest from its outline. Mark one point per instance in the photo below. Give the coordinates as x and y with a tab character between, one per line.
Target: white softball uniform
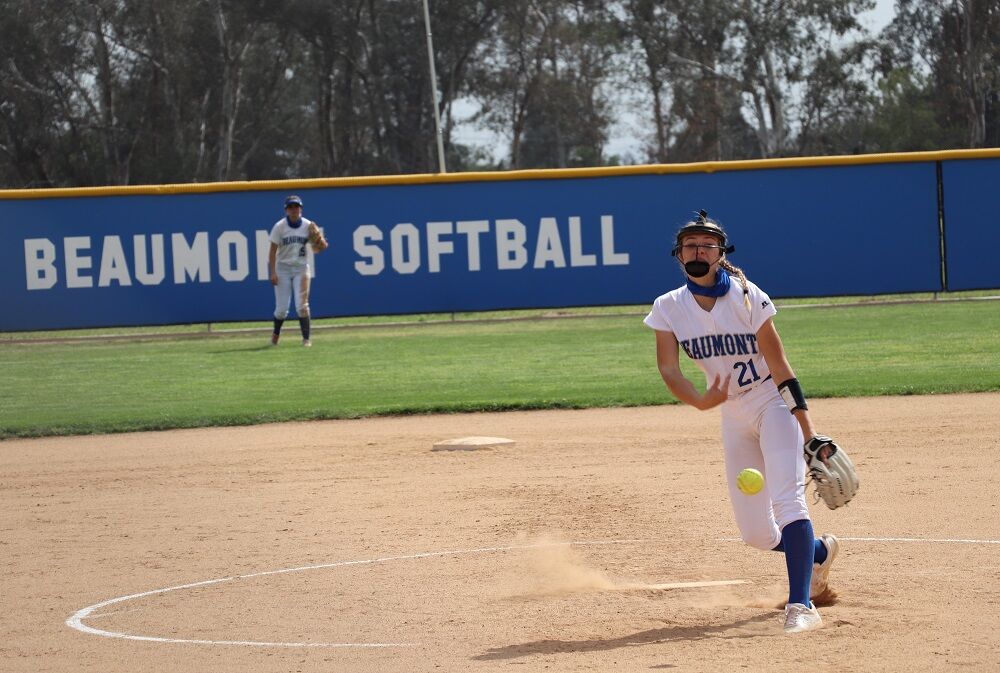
757	429
292	266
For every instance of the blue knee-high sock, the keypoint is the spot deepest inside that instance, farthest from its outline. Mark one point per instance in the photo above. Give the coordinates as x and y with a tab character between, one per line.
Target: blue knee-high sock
800	550
820	552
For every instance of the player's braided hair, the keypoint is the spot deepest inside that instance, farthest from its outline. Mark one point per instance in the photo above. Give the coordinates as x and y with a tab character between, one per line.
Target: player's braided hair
740	276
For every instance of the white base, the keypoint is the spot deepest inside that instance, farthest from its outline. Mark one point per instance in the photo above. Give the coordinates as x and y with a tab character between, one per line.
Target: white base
472	443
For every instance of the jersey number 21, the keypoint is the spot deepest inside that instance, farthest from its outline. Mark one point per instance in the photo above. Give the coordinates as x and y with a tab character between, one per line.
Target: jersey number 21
746	368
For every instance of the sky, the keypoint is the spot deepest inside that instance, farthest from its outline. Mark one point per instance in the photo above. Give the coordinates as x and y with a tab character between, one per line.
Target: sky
624	137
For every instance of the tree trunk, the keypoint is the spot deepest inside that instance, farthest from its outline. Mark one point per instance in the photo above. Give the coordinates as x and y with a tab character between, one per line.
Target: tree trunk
233	52
972	67
775	108
115	172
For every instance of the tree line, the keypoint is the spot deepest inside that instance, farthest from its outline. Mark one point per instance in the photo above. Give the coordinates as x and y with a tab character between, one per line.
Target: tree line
118	92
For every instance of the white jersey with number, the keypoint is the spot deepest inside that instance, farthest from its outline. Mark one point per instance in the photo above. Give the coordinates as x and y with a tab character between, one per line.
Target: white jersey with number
722	341
757	430
293	243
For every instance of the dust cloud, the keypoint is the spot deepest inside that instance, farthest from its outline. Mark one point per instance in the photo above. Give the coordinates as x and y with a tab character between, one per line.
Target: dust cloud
549	567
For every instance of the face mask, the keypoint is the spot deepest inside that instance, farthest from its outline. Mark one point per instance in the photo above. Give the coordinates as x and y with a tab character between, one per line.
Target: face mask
697	268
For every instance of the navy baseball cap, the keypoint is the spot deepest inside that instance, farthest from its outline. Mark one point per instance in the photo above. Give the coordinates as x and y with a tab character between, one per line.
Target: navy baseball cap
293	201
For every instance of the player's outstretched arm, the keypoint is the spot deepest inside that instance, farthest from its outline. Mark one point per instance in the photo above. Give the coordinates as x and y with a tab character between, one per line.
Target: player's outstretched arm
668	363
773	351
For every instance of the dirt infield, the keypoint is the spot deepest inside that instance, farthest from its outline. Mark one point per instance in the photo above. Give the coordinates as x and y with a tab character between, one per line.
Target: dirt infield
533	557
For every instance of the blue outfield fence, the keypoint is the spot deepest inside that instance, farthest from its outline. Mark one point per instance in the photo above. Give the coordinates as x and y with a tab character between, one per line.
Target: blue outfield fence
188	254
972	223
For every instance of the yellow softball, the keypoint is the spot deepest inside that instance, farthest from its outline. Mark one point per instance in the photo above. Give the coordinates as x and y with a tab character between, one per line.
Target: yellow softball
750	481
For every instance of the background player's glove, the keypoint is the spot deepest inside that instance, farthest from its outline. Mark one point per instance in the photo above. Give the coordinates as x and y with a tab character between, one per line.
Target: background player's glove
316	238
831	470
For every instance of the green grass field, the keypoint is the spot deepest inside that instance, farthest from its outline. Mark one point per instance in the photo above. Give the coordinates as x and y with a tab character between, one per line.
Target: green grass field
114	386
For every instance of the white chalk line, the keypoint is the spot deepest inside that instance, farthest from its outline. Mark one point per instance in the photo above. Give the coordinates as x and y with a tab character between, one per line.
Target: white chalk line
692	585
900	539
75	621
919	539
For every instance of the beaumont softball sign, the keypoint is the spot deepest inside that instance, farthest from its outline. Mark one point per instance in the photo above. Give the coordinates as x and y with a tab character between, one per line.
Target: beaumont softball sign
82	262
188	254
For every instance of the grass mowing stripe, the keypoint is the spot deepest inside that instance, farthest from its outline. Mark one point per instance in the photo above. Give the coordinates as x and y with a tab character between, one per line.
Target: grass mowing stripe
120	386
465	316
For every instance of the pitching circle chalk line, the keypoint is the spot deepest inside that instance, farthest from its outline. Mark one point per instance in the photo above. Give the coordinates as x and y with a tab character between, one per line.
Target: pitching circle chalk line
75	621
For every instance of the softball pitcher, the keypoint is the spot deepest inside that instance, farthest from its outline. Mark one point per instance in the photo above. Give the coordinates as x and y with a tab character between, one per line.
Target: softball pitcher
292	238
723	322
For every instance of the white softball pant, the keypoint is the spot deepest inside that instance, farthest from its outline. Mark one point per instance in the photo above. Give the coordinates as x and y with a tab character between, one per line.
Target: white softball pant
292	281
759	432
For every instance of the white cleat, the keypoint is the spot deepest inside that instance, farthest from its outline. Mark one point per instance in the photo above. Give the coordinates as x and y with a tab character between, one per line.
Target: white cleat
306	343
799	618
821	571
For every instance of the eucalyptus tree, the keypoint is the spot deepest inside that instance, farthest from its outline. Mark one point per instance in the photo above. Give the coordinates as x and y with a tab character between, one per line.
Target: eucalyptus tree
780	46
679	49
117	92
720	69
30	106
460	27
568	125
67	90
510	71
542	80
952	47
369	81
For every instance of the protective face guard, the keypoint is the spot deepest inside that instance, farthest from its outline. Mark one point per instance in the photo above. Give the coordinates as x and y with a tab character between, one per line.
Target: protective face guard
702	225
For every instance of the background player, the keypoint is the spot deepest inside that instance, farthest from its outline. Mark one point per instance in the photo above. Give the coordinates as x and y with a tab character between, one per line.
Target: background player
291	238
725	326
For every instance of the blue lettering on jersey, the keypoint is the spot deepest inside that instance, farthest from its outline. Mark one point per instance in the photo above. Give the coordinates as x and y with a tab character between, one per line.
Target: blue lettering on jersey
695	350
294	240
713	345
687	351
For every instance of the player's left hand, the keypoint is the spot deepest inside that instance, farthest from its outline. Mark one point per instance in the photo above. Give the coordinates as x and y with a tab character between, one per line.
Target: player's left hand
316	238
831	471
